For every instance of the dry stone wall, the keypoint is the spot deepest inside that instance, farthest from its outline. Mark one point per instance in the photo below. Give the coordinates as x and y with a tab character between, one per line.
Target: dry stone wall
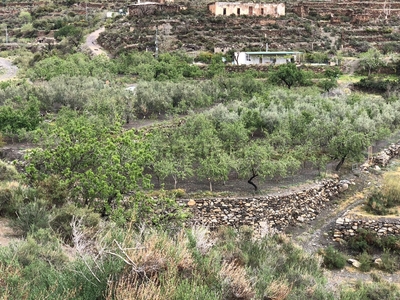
274	211
347	226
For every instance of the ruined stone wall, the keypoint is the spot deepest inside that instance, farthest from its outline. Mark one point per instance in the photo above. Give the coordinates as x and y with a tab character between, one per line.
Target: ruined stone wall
274	211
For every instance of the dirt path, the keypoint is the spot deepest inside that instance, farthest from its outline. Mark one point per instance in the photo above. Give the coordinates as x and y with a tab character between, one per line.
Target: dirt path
91	43
7	69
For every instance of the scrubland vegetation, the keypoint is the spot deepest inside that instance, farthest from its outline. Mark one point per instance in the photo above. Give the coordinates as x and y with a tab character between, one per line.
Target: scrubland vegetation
91	224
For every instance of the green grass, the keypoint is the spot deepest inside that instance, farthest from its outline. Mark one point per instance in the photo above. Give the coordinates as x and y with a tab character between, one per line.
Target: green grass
349	78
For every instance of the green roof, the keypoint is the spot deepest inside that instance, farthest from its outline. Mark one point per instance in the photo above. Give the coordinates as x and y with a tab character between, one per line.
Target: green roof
274	53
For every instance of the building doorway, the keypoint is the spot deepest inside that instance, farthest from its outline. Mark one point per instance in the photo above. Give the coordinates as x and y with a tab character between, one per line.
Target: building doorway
250	10
238	11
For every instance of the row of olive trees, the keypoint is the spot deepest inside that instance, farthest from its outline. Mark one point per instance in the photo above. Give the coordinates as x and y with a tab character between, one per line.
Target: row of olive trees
272	135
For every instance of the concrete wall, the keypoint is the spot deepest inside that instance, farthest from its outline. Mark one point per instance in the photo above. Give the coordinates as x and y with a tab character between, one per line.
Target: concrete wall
254	9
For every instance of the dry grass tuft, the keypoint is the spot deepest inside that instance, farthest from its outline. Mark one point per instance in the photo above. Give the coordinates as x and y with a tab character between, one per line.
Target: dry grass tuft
202	237
10	185
391	186
277	290
236	285
129	288
157	258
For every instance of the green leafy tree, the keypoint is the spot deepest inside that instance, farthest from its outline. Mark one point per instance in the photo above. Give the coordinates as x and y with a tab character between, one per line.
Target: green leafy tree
289	75
254	160
97	164
371	60
72	33
347	143
173	156
328	84
14	117
215	166
330	81
25	16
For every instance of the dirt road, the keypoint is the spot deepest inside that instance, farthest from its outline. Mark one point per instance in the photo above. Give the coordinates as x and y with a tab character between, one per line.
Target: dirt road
91	42
7	69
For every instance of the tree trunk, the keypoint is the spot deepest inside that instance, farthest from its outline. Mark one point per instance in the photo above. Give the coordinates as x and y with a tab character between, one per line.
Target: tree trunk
175	181
210	185
250	181
340	163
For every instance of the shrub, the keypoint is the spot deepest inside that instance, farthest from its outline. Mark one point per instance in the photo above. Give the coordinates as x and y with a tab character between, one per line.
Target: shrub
391	187
390	262
53	190
235	284
41	245
30	218
61	222
363	241
154	258
333	259
7	171
377	204
366	261
277	290
13	196
371	291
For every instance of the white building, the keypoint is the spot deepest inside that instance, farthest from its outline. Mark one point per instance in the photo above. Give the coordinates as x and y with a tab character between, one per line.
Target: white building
266	57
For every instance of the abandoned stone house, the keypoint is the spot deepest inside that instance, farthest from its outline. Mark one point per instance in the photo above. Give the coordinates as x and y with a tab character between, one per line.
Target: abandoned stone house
250	9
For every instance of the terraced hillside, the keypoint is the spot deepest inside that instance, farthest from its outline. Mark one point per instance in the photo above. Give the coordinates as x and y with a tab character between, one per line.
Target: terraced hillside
352	26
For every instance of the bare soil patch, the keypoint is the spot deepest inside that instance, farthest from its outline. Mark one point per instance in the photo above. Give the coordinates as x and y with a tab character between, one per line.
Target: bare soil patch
7	234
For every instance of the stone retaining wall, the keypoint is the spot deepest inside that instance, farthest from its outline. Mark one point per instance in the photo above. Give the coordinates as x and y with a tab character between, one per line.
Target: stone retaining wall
347	227
274	211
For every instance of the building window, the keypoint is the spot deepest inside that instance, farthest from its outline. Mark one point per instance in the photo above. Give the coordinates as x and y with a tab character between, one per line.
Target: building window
248	58
262	11
238	11
250	10
224	13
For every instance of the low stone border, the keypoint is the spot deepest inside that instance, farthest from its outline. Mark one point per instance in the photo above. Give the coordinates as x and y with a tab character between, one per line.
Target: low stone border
276	211
346	228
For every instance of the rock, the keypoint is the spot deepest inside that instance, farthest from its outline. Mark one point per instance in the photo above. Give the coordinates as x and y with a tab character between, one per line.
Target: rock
300	219
191	202
355	263
343	187
378	262
340	221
